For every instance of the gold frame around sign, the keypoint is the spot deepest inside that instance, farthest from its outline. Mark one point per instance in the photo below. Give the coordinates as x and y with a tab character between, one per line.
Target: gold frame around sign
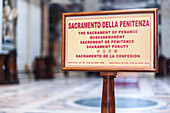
154	11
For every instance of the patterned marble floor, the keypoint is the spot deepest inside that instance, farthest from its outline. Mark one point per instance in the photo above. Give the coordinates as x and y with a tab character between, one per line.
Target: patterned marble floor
59	95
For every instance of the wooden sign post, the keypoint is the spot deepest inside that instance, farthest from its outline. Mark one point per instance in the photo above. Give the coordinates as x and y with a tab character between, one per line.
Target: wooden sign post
109	42
108	94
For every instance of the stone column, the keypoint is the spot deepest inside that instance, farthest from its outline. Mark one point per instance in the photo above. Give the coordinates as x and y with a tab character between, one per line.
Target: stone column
1	14
45	27
165	9
28	40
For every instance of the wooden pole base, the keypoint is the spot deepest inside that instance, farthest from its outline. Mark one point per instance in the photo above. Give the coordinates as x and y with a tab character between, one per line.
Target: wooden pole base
108	95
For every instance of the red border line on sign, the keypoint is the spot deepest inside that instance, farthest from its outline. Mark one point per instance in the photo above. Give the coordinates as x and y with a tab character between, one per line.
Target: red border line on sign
100	65
150	42
102	17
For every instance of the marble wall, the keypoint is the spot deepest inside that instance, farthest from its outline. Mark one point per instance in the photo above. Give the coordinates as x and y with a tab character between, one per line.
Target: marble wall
91	5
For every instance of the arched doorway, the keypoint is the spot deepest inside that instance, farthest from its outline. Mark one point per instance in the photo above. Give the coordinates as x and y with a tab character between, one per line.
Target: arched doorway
55	33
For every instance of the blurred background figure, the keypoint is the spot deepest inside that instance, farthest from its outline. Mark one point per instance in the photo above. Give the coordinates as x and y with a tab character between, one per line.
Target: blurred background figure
9	16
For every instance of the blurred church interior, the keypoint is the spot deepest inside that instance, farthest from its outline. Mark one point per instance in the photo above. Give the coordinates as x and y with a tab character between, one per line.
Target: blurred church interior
31	80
